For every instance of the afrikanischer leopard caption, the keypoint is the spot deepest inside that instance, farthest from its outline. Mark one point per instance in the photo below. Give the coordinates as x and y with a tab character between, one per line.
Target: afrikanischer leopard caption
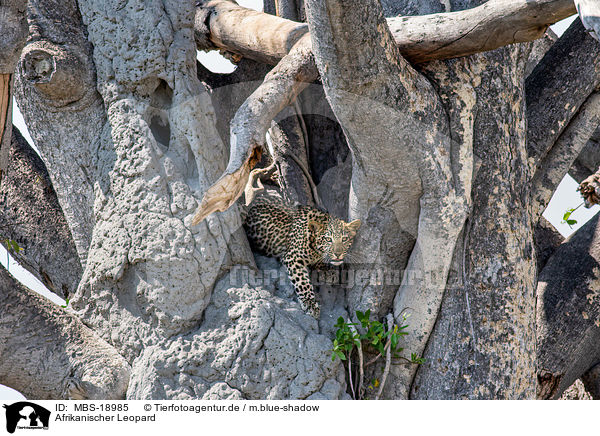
301	236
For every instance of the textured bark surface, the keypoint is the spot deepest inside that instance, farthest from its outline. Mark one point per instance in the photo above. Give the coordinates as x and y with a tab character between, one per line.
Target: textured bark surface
568	312
483	344
547	240
56	86
31	216
558	86
191	310
48	353
13	28
252	345
156	153
588	160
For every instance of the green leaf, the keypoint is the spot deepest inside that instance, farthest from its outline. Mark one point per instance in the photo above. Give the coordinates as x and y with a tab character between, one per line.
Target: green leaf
567	214
394	340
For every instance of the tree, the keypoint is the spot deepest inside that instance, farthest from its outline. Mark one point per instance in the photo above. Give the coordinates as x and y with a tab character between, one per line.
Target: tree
444	126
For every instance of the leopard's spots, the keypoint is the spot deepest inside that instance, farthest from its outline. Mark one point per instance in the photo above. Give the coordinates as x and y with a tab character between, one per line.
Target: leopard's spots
301	237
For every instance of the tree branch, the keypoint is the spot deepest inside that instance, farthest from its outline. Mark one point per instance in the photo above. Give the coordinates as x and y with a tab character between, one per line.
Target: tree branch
289	150
568	312
558	86
588	160
251	122
259	36
47	353
563	153
13	27
31	216
266	38
494	24
56	90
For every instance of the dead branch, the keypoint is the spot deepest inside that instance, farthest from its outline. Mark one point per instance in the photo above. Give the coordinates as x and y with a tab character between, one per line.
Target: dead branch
255	176
266	38
251	122
590	190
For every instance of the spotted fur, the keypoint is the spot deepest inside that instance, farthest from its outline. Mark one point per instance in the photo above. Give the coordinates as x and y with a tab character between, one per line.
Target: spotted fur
301	237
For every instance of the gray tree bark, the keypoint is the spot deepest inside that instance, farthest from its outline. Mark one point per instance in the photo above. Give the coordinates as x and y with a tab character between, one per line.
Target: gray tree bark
48	353
414	147
13	25
30	215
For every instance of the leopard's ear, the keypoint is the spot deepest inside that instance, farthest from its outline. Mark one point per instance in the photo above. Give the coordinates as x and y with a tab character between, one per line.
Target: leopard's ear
315	226
353	226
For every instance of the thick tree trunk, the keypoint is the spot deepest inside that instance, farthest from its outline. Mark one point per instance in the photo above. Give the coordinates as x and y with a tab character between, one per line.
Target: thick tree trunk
483	344
190	308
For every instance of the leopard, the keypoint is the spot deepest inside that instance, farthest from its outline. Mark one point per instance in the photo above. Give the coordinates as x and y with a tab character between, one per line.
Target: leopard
301	237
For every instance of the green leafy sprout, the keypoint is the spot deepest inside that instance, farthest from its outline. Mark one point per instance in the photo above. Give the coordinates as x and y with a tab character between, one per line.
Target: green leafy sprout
567	217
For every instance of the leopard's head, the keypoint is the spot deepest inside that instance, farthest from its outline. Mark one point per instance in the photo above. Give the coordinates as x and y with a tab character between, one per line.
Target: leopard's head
335	239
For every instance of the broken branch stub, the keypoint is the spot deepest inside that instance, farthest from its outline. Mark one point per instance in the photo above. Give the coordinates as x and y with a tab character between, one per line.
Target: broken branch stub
225	191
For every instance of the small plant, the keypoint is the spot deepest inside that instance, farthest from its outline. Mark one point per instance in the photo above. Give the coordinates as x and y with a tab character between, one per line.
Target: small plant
375	338
64	306
567	217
